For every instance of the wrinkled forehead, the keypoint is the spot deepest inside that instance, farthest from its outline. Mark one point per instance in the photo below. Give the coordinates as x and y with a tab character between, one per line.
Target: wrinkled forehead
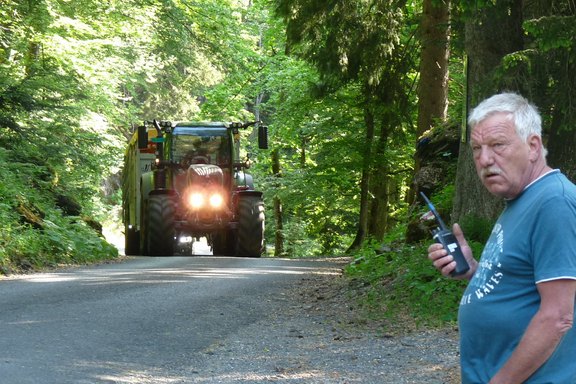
494	116
495	129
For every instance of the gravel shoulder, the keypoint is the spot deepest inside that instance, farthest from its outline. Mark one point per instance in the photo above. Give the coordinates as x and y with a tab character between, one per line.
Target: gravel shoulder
315	334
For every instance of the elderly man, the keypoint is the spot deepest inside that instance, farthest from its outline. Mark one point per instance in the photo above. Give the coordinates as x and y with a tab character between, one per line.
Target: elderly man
516	315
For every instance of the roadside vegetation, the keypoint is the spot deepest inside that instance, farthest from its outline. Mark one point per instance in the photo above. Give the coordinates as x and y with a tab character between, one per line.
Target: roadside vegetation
395	279
43	224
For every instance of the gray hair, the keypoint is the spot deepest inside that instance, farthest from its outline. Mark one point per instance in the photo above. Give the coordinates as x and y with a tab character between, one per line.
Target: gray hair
524	114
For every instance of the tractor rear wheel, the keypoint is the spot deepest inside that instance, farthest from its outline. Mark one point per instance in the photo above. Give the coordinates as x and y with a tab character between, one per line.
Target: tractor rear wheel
132	241
144	227
250	232
160	229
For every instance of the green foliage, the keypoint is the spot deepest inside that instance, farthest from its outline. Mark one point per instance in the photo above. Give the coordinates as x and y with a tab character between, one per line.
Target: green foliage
34	233
62	241
360	106
476	228
552	32
48	150
443	199
299	243
347	39
321	155
401	281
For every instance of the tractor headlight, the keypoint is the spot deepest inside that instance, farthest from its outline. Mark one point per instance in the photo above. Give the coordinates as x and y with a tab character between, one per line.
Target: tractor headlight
216	200
196	200
205	199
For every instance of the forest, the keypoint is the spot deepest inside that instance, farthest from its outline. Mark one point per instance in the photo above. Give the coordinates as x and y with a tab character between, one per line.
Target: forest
365	100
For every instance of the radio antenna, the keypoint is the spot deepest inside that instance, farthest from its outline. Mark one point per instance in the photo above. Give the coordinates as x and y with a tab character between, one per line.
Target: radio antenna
434	212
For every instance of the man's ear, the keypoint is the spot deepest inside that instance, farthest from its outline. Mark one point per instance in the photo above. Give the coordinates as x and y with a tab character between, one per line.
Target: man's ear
536	147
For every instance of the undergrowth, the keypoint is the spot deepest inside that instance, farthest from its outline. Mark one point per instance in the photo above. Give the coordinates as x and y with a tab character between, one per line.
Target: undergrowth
35	233
399	282
402	281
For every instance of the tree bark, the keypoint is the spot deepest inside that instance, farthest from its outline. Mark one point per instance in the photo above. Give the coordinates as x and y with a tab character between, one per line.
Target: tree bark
362	229
278	215
433	84
492	32
379	207
435	51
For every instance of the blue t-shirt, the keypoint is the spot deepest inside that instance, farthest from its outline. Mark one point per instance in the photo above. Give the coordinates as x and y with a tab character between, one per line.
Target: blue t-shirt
533	241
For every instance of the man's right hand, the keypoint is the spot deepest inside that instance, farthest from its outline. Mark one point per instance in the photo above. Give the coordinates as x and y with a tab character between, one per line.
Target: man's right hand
445	263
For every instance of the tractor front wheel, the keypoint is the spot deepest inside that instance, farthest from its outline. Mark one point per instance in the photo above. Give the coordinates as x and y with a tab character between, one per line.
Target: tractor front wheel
250	232
160	228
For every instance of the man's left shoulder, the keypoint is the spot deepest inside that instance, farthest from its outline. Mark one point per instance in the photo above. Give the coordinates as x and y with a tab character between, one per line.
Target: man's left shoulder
557	186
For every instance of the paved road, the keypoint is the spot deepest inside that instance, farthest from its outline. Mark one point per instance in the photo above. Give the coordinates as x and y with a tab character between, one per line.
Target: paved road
142	320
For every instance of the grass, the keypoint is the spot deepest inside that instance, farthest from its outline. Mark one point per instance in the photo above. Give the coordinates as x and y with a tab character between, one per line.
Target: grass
401	283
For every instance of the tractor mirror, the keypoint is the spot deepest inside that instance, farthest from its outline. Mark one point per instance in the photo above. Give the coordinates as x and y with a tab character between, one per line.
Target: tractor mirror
263	137
142	137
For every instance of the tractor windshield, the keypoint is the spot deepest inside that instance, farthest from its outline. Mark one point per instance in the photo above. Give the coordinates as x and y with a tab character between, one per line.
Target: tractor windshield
199	145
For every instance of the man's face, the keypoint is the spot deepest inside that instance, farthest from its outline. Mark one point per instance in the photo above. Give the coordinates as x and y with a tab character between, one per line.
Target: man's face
502	158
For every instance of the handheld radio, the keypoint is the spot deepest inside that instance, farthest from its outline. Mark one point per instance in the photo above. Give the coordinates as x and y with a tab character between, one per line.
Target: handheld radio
445	237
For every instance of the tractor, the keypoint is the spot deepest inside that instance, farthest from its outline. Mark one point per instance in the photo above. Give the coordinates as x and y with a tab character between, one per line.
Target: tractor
185	181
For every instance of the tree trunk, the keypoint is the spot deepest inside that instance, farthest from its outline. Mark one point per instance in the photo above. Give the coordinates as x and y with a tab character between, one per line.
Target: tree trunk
362	230
491	33
433	84
379	211
278	216
303	142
